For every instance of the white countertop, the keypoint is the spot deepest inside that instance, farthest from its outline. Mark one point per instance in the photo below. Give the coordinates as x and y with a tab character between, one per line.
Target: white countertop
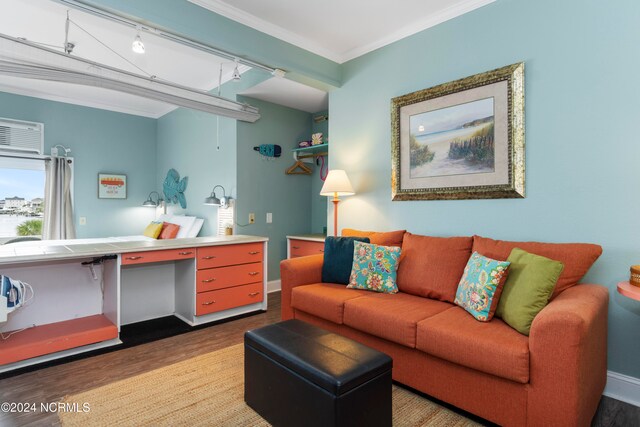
38	251
308	237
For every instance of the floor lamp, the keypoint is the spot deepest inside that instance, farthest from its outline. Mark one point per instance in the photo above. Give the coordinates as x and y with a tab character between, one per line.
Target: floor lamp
337	184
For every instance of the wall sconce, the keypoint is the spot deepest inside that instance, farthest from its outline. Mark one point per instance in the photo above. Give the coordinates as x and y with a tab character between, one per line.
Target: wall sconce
150	203
212	200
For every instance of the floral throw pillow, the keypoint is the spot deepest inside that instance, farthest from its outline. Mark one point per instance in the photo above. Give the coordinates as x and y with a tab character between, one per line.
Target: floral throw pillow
374	268
481	285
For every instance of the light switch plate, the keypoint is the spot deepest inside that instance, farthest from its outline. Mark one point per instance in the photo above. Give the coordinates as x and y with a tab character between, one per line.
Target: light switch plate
83	220
269	217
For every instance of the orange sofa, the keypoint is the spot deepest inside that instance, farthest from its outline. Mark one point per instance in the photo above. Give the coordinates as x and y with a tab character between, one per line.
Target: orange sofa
555	376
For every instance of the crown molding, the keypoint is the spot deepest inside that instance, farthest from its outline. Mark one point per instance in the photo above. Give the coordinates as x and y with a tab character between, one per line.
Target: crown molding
245	18
431	21
238	15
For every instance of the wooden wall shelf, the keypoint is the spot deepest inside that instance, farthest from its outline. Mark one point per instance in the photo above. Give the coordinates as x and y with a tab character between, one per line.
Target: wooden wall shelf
629	290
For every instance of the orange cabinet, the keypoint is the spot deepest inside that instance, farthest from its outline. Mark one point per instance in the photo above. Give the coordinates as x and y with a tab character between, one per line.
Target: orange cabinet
229	276
299	248
219	256
224	299
157	256
225	277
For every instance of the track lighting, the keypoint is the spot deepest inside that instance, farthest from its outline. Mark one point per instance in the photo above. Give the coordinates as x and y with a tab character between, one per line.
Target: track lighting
137	46
236	74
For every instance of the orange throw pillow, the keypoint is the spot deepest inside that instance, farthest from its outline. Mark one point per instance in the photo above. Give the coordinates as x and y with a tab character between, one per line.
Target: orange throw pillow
169	231
386	238
576	257
432	266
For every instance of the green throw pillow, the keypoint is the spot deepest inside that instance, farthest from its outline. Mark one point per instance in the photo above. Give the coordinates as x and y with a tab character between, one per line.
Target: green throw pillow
528	288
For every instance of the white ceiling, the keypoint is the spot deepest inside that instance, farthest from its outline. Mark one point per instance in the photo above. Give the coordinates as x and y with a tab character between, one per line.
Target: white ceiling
290	94
44	21
336	29
341	30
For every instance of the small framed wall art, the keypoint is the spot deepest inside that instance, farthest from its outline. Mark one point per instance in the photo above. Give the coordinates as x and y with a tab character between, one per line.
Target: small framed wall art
112	186
461	140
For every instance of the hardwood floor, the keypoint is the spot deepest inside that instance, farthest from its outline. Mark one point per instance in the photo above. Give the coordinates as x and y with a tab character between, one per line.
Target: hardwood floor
53	383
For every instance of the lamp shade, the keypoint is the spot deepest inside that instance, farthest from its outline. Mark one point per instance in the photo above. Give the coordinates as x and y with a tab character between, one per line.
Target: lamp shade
337	184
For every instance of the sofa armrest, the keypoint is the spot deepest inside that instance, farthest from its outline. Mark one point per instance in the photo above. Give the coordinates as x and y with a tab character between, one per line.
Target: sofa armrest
568	357
296	272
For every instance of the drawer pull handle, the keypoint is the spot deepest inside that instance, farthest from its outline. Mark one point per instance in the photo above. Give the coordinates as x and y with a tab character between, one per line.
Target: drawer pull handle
208	280
321	250
208	257
208	303
254	252
254	273
253	294
133	258
295	247
185	253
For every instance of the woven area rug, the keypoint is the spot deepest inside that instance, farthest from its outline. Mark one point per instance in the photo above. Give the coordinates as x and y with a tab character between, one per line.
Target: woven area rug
208	391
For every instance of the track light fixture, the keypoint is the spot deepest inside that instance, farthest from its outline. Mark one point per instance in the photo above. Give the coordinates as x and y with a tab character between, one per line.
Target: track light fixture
137	46
236	73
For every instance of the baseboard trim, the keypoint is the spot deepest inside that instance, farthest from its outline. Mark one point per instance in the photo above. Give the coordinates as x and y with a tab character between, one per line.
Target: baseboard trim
623	387
273	286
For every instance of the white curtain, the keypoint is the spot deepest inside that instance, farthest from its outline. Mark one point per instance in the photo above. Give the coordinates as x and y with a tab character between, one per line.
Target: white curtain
58	211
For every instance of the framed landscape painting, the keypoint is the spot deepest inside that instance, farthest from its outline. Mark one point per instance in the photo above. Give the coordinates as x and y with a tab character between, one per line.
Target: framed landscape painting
461	140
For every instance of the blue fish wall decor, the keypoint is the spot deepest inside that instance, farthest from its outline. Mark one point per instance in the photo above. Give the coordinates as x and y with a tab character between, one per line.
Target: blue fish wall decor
173	188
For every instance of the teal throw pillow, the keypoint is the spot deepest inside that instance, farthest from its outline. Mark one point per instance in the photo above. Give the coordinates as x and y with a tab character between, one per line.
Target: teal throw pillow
374	268
531	281
338	258
481	285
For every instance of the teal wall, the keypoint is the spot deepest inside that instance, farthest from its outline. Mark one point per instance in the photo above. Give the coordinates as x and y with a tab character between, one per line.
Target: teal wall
188	143
318	202
262	184
100	141
582	146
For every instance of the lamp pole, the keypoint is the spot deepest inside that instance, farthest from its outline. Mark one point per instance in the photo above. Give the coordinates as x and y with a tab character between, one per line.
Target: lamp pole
335	200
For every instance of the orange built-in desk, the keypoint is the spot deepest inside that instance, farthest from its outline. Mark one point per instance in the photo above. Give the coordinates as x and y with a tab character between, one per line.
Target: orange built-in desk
79	308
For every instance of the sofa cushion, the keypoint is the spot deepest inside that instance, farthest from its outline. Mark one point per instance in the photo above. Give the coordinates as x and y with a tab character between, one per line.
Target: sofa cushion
374	268
338	258
528	288
325	300
481	286
576	257
391	316
491	347
432	266
385	238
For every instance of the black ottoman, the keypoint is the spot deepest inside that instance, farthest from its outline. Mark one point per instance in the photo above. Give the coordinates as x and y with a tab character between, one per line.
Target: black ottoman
296	374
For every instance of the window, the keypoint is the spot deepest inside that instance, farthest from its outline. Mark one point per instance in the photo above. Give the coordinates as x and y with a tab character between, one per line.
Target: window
21	197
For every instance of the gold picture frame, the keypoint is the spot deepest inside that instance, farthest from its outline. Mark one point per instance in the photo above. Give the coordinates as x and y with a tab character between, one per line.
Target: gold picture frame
461	140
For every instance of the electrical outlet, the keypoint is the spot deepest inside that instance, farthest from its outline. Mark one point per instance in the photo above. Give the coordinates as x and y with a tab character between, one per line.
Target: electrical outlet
83	220
252	218
269	217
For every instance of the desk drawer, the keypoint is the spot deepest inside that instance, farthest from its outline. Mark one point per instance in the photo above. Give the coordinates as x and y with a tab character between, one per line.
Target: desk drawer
223	255
305	247
224	299
225	277
157	256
